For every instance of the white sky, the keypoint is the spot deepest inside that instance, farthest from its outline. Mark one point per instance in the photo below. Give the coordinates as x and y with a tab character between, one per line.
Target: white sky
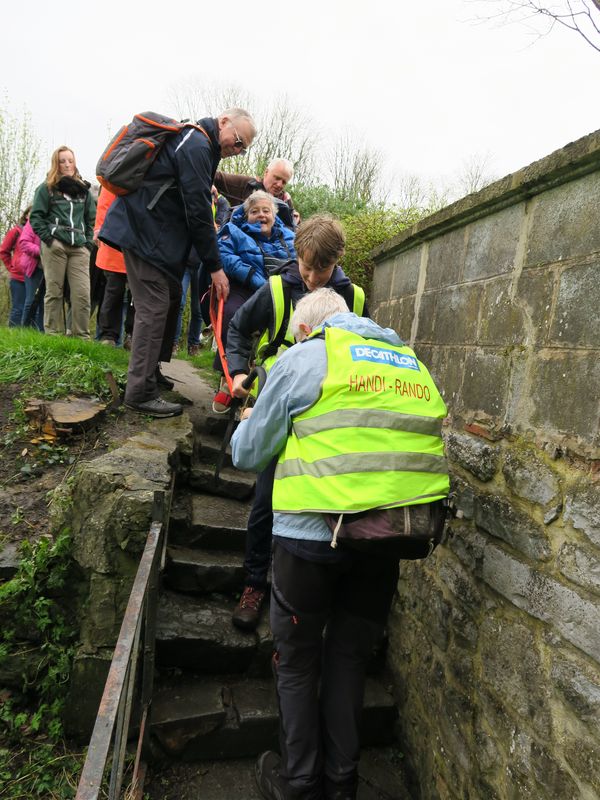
417	80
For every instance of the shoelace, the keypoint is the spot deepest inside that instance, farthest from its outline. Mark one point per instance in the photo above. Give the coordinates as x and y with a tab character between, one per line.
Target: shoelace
251	598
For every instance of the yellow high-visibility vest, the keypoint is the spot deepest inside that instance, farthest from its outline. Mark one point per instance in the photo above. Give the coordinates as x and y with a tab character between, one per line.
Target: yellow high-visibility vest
372	440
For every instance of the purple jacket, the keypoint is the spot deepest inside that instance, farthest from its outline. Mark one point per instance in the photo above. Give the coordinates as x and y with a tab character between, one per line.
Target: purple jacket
27	253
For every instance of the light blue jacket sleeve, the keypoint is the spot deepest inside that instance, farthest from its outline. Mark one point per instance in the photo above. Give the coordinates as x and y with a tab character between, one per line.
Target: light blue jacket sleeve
293	385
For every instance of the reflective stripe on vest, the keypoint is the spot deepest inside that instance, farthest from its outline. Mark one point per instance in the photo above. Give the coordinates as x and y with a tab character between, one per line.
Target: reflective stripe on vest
371	440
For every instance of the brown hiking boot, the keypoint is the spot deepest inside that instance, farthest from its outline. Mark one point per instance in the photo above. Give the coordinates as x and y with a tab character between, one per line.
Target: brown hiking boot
247	611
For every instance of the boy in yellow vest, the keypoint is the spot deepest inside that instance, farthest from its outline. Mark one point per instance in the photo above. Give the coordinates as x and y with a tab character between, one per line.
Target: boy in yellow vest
319	245
354	420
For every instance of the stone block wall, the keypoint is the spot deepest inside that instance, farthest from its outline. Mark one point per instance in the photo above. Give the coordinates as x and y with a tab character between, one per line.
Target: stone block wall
495	640
108	508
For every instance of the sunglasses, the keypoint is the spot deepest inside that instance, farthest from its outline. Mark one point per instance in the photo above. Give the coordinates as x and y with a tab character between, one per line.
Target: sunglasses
239	143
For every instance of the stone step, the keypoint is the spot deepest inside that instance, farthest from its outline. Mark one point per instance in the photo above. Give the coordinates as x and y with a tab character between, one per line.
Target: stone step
215	425
209	448
197	633
231	482
380	779
199	717
216	523
203	571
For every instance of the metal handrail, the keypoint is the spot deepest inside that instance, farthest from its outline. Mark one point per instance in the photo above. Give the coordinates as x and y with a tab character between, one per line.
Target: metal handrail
114	713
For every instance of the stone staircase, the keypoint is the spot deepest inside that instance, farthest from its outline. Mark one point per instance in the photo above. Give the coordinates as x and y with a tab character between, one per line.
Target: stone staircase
214	708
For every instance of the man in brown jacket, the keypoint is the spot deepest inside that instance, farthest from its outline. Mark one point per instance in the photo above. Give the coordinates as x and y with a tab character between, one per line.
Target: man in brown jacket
236	188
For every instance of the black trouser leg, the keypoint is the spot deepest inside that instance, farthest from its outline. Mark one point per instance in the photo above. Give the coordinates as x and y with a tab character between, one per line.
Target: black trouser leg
260	529
111	310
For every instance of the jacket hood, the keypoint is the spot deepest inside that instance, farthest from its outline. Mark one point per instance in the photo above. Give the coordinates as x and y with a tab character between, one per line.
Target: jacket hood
291	274
365	327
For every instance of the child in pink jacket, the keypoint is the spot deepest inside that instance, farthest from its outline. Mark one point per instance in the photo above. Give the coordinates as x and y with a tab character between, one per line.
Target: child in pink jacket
9	255
35	288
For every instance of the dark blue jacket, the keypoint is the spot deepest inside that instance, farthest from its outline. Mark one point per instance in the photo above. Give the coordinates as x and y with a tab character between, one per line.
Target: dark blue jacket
182	216
243	249
257	313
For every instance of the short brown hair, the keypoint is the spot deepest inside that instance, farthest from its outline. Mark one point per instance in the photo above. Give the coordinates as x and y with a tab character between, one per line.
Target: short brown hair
320	241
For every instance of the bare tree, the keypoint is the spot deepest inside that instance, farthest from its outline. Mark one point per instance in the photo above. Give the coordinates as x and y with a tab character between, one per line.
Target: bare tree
414	194
20	154
475	174
580	16
355	171
282	130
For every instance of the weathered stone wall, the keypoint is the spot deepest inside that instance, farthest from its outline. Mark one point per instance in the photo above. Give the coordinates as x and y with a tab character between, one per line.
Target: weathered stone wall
108	508
495	640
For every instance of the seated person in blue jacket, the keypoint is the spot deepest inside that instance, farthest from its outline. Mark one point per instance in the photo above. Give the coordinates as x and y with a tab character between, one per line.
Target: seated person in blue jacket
252	245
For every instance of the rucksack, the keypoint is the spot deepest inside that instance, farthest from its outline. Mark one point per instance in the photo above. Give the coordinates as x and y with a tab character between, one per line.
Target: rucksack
130	153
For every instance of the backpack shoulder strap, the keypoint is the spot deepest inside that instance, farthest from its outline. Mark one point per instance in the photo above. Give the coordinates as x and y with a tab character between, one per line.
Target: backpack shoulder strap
358	300
281	299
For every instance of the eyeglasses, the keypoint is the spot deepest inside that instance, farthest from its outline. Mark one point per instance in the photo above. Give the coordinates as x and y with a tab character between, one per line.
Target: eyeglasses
239	143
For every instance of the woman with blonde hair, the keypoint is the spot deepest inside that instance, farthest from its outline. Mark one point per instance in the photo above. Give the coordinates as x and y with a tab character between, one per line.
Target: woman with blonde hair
63	217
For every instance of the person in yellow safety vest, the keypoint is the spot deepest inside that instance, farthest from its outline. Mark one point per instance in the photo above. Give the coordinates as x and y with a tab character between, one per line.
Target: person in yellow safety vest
319	244
355	421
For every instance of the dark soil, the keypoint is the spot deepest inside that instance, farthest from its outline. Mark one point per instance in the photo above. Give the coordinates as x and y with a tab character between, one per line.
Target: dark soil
28	471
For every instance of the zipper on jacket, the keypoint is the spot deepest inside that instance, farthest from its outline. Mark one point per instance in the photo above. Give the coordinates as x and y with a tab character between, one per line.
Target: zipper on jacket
72	221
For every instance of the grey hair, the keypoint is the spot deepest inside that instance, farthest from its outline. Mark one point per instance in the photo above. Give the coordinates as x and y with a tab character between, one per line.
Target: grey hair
286	163
240	113
260	196
315	307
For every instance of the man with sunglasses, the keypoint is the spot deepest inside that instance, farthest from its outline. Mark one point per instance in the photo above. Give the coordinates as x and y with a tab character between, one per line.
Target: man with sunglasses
155	227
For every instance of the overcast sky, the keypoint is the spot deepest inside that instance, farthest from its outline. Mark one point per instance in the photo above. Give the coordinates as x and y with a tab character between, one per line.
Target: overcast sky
419	81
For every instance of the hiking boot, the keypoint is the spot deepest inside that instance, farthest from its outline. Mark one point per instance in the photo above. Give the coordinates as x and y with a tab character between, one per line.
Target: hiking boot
127	342
273	787
108	342
266	774
156	408
247	611
193	349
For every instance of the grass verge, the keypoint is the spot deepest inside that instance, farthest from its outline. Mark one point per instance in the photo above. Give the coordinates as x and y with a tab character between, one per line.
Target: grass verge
56	366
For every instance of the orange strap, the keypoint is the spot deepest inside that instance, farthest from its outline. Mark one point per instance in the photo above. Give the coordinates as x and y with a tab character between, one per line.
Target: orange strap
216	320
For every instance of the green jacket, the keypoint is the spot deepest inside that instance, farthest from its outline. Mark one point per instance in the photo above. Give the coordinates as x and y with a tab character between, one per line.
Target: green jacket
64	215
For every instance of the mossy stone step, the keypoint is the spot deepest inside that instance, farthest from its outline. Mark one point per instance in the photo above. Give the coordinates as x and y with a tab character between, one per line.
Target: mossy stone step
203	571
230	483
224	780
197	633
198	718
216	523
209	448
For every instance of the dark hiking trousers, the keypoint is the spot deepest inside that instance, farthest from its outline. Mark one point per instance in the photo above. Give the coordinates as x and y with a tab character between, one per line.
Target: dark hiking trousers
260	529
319	726
110	316
156	298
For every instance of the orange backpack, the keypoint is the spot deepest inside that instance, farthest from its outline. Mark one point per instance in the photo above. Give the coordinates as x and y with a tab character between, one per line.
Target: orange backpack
123	165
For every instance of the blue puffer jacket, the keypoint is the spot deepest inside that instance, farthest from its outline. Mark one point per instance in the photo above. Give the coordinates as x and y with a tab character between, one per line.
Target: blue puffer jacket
243	249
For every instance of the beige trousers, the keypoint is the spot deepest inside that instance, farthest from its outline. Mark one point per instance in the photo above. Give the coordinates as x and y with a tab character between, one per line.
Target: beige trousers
62	261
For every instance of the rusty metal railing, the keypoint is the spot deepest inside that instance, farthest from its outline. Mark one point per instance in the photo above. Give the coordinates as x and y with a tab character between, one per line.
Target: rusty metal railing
136	638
